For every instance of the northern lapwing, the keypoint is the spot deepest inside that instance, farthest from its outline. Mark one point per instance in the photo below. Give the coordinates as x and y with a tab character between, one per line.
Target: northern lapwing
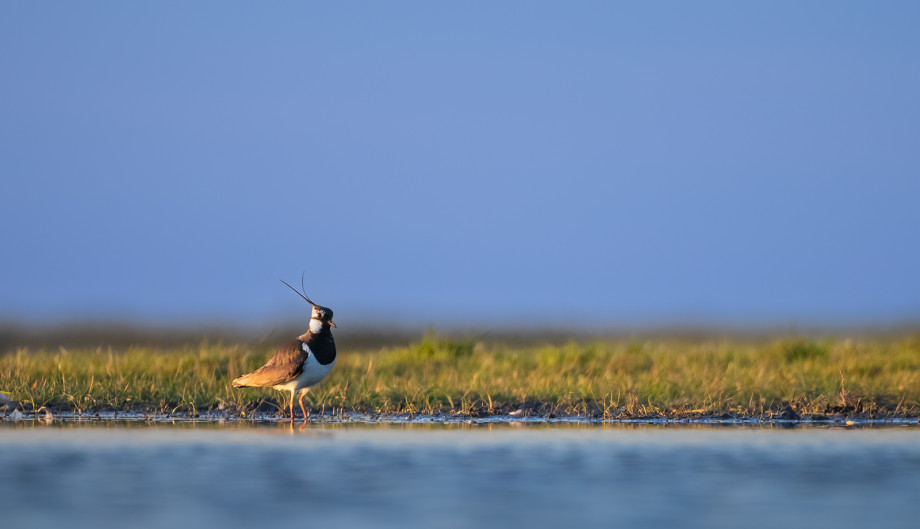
300	363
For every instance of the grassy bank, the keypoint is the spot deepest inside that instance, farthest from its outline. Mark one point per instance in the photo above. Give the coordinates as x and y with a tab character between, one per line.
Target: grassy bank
610	379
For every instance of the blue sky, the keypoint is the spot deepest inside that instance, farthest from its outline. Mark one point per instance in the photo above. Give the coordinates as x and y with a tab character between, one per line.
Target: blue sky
599	163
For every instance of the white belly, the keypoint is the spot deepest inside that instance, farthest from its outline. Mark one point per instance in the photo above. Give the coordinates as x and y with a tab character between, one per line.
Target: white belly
313	372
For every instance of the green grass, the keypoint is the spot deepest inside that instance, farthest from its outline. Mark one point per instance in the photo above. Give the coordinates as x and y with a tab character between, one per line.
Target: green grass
617	379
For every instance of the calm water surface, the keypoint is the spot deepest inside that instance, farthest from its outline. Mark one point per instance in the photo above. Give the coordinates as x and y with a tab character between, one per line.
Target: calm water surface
456	476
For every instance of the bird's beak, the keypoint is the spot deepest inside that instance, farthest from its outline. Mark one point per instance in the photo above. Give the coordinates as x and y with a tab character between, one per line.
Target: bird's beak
332	323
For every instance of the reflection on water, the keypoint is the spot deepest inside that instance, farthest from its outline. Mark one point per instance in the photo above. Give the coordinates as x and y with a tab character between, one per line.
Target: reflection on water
413	476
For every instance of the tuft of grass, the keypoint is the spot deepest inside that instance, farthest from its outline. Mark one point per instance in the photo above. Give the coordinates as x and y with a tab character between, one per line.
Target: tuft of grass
436	375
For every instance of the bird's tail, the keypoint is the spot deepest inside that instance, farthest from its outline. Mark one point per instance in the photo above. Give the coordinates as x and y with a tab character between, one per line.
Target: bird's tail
241	382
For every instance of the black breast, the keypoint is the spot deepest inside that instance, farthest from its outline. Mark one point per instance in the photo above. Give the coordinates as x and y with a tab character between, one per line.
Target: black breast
322	346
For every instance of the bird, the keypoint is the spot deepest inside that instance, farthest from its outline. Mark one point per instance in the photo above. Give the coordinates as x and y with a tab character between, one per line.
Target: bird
301	363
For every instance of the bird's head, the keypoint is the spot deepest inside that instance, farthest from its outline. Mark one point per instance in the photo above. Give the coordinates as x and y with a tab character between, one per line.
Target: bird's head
321	317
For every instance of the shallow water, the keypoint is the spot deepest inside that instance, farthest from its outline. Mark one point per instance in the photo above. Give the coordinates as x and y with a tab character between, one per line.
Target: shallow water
498	475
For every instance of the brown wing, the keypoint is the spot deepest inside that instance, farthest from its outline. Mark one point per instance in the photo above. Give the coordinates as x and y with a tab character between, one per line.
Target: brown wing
283	367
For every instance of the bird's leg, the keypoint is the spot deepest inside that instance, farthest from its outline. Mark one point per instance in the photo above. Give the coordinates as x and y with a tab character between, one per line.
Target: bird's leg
302	393
292	406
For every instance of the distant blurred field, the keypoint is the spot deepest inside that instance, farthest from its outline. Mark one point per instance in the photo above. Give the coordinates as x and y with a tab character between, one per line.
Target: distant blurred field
609	378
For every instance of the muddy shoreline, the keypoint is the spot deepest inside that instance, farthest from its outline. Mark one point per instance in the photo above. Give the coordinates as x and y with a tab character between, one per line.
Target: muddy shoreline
338	417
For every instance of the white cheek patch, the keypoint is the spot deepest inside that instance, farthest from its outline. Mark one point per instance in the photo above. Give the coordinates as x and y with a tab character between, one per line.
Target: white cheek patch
316	325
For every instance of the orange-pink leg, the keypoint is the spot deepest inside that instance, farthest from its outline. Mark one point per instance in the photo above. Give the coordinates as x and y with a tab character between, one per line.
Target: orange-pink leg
292	406
302	393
